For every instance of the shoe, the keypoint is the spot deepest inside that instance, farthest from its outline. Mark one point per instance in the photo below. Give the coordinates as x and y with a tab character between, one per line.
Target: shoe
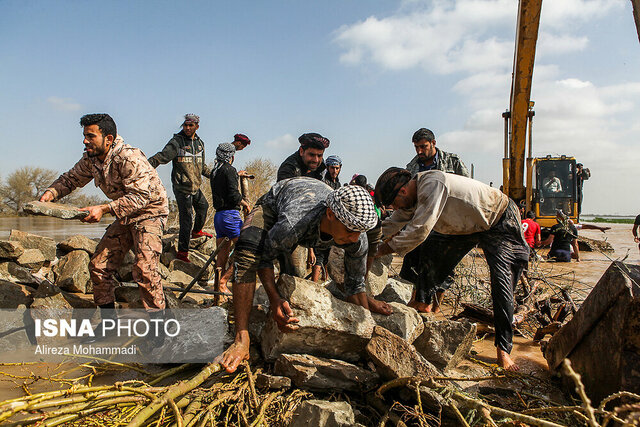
183	256
201	233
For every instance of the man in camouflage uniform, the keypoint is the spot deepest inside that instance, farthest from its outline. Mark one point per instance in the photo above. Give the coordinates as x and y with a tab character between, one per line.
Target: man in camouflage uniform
429	157
186	152
299	212
139	203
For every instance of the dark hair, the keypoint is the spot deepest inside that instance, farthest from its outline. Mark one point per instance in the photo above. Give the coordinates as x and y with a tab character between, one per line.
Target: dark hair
531	215
423	133
104	121
360	180
389	184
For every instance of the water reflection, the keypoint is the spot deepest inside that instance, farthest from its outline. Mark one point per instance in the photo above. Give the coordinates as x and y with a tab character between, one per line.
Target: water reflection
57	229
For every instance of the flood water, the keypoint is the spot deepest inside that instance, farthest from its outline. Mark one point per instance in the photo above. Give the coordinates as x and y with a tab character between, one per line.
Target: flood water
55	228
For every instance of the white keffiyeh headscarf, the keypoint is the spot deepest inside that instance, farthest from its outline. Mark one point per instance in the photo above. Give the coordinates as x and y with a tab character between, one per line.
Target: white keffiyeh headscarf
353	206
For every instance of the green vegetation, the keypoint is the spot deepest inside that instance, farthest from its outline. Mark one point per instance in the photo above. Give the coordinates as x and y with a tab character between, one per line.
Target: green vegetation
612	220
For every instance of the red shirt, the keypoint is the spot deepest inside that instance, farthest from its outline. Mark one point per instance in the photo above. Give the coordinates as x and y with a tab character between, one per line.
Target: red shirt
530	229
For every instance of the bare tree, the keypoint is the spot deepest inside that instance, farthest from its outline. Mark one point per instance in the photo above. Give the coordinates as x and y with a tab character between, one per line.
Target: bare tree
24	185
264	171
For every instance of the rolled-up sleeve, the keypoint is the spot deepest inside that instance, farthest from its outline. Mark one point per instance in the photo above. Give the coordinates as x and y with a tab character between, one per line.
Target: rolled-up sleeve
432	198
76	177
136	180
355	266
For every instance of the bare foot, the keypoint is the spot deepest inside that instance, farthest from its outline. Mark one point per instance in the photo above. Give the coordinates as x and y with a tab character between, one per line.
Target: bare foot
504	361
421	307
379	306
237	353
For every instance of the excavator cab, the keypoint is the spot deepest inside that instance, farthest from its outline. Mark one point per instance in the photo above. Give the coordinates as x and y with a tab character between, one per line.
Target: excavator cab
554	187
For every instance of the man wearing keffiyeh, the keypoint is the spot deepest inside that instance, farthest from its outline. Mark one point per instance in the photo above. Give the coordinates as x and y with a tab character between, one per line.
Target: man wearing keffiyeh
300	211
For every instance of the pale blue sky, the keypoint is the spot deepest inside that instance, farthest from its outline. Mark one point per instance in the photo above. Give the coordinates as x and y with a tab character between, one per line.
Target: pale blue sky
366	74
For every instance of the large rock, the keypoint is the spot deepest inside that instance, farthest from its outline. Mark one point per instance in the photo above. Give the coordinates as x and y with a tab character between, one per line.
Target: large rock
377	276
13	295
13	272
208	247
396	290
405	321
78	242
179	278
10	249
321	374
328	327
322	413
396	358
32	259
56	210
131	296
73	272
602	339
49	297
446	342
46	245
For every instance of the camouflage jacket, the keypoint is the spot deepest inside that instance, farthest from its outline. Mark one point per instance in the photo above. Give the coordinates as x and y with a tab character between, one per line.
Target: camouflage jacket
125	176
187	156
330	182
299	205
445	162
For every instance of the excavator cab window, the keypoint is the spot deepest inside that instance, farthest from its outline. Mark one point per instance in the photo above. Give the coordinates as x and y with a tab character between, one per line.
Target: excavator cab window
556	186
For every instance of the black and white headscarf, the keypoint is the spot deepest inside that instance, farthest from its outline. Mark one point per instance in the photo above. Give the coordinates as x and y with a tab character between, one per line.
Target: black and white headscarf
224	154
353	207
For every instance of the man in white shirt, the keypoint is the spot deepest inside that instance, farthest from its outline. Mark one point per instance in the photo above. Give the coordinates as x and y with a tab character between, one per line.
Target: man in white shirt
468	213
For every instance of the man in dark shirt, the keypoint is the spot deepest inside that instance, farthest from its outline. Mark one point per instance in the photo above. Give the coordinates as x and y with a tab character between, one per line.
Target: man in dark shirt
563	237
186	152
304	212
334	165
307	161
636	223
227	201
583	175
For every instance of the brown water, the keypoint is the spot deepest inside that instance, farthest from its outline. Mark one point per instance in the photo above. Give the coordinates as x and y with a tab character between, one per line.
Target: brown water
57	229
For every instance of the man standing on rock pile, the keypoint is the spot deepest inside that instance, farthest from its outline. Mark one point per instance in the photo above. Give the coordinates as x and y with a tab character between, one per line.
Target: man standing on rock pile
306	212
139	203
467	213
186	151
429	157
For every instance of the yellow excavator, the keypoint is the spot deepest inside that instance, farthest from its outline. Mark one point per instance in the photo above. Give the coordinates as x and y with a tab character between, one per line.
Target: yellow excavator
551	182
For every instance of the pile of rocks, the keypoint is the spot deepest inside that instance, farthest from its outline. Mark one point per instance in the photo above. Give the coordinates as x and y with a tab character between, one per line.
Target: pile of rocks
60	270
338	347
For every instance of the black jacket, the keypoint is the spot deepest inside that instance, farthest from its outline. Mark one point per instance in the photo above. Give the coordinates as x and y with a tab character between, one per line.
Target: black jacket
225	189
293	167
187	156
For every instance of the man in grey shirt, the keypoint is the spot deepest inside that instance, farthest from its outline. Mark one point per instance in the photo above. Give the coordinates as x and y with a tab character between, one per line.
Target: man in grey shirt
300	211
466	213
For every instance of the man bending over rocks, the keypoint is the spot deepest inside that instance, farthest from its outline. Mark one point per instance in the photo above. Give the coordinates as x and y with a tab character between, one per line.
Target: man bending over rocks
467	213
300	211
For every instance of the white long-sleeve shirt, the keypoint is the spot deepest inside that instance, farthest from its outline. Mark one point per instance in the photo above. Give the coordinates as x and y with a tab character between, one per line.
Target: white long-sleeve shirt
448	204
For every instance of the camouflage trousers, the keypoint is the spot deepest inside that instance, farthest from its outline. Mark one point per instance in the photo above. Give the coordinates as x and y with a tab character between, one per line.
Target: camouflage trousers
145	238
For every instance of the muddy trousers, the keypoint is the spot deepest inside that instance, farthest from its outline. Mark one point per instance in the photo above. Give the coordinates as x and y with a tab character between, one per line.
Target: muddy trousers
187	203
507	254
145	238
